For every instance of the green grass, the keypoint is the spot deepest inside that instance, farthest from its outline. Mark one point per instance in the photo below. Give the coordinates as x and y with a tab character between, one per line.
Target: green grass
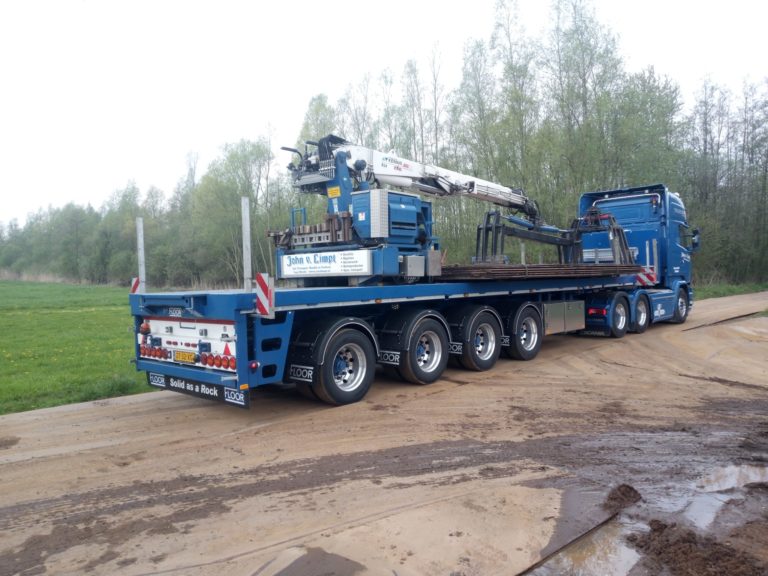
62	343
720	290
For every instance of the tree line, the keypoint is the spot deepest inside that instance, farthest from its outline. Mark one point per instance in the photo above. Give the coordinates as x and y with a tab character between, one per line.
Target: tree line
556	115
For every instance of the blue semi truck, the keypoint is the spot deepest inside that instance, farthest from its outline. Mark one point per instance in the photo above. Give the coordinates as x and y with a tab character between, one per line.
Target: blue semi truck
366	287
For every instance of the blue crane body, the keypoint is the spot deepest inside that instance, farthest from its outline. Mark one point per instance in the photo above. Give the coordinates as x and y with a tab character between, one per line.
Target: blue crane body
367	287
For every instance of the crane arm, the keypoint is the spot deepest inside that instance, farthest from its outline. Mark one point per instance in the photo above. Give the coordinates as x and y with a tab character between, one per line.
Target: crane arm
387	169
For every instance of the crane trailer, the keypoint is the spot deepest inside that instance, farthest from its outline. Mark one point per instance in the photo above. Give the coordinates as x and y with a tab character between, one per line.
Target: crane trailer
367	286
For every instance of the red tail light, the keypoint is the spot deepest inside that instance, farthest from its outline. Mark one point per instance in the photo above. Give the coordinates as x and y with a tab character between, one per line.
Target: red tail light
209	361
203	358
597	312
232	363
217	361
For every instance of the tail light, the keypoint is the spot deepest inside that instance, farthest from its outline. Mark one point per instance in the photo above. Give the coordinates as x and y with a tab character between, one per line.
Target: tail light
232	363
217	361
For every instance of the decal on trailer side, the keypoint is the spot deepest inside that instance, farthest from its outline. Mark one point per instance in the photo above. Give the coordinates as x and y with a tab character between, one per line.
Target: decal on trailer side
156	379
389	357
216	392
301	373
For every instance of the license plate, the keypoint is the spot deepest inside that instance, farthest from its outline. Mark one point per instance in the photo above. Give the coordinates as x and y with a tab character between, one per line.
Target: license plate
184	356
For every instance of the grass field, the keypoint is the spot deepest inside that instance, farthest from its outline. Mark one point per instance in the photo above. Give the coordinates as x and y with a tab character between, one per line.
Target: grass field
63	343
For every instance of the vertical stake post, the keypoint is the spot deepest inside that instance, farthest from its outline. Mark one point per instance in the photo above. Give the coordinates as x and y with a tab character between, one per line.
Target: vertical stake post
245	207
140	251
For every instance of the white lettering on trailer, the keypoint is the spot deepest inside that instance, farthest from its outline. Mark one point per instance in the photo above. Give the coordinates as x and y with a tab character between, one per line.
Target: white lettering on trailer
340	263
234	396
302	373
157	379
659	311
387	357
175	312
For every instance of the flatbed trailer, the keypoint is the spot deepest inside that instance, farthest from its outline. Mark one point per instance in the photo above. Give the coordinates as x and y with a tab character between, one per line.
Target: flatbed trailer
410	329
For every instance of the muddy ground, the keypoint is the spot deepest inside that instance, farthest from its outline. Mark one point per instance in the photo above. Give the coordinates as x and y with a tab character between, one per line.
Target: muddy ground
647	454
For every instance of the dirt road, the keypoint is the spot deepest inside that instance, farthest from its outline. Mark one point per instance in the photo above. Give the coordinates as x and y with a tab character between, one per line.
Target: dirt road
480	473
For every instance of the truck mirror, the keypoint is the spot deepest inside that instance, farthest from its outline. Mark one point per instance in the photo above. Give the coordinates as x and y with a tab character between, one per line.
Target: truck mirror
695	240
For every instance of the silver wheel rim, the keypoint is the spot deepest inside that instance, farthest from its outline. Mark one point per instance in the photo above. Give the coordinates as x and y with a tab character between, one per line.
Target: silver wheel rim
485	341
682	305
349	367
429	350
642	312
529	334
620	316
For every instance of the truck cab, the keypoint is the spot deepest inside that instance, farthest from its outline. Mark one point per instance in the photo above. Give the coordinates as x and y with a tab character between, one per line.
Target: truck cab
660	238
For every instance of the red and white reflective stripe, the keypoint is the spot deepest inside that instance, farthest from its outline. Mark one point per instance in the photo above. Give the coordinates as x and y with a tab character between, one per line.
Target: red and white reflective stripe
264	295
135	282
646	278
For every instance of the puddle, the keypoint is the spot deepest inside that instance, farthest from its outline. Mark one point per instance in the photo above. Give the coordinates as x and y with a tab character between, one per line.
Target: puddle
730	477
711	492
604	551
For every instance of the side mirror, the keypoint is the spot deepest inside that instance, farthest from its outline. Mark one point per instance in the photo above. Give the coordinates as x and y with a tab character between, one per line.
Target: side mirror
695	240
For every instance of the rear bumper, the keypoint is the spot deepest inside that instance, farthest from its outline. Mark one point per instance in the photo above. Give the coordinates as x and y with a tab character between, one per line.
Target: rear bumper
207	390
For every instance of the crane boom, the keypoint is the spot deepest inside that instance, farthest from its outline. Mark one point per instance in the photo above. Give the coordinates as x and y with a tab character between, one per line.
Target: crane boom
381	169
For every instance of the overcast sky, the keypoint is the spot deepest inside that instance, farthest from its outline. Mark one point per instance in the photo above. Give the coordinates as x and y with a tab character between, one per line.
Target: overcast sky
94	94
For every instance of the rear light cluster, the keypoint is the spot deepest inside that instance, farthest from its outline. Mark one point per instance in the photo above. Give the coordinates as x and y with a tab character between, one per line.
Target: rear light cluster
204	359
217	361
154	352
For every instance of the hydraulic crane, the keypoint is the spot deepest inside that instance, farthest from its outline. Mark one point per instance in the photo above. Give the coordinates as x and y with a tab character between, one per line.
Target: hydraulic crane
372	232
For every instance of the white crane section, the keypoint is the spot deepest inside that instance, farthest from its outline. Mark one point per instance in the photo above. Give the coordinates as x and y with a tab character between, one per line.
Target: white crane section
389	169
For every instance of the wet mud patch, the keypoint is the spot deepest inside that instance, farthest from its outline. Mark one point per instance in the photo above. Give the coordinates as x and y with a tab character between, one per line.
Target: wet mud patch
8	441
620	497
677	550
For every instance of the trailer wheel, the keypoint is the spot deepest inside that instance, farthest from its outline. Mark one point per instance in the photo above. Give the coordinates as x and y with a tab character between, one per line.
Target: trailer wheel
681	307
619	316
642	315
348	369
482	348
427	354
526	334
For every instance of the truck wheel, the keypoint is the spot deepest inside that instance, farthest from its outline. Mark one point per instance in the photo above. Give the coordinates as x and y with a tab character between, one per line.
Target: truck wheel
348	369
642	315
427	354
681	308
526	334
619	316
482	347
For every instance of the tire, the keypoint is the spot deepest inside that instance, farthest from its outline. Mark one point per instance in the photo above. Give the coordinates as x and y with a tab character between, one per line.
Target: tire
427	355
348	369
642	315
482	344
682	307
526	334
619	316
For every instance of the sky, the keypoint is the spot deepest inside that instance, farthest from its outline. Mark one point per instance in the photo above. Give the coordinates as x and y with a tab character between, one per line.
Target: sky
97	93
